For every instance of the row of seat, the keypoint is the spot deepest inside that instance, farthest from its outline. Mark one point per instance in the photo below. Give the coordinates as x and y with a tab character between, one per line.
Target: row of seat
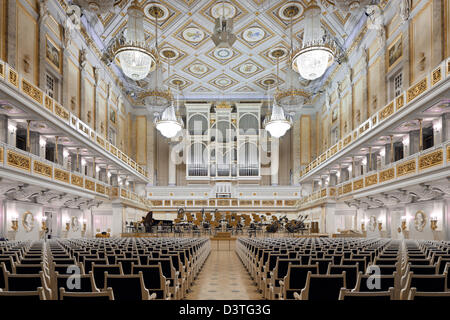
289	268
159	268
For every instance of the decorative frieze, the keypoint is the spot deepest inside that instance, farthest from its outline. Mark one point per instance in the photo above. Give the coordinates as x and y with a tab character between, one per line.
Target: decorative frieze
387	111
359	184
416	90
347	188
406	168
90	185
62	175
436	76
61	112
76	180
13	78
31	91
371	180
387	174
432	159
42	169
18	160
100	188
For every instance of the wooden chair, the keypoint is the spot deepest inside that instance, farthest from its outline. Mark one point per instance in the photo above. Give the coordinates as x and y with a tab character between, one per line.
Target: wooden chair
86	296
350	295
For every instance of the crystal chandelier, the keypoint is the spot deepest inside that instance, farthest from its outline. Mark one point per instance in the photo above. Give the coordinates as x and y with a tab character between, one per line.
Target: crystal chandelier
136	57
277	124
168	124
318	50
223	36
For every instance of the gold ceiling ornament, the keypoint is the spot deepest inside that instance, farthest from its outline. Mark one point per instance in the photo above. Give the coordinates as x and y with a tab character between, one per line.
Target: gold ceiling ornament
137	58
223	105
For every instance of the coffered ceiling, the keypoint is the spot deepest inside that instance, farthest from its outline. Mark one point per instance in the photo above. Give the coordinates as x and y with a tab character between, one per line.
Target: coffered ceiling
204	72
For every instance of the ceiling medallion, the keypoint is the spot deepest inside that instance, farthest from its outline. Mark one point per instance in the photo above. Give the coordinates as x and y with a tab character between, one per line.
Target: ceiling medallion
223	9
136	56
290	10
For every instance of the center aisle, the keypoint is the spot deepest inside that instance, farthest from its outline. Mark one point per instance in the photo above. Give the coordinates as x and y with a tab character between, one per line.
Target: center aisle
223	277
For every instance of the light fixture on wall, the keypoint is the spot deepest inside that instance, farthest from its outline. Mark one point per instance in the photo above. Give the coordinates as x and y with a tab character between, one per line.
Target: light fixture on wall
318	50
380	224
15	222
433	222
135	55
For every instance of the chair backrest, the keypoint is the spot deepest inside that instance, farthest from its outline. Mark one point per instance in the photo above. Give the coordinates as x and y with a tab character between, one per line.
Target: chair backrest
371	283
24	282
351	273
421	269
28	268
154	279
126	287
98	272
323	264
9	262
126	264
324	286
362	264
89	261
71	283
429	296
22	296
297	274
86	296
428	283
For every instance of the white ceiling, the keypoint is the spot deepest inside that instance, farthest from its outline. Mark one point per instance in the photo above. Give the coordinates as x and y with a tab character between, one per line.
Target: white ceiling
186	31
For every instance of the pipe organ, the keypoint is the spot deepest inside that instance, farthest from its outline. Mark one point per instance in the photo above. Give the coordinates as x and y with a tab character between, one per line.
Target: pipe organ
224	141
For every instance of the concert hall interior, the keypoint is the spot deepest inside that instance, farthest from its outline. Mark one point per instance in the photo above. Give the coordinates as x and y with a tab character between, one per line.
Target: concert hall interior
225	150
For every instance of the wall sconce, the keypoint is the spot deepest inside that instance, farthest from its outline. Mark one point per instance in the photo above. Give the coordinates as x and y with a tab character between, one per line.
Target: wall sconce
15	225
83	221
67	222
403	225
433	222
363	227
380	224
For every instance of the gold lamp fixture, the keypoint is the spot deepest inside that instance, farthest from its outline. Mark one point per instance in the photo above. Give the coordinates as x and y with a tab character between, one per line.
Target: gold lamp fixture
433	222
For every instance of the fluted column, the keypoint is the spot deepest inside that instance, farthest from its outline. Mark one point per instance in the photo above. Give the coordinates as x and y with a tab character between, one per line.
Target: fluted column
274	160
172	166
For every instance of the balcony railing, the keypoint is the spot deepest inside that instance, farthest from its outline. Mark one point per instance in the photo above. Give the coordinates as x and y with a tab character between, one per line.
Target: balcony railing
428	160
14	80
437	75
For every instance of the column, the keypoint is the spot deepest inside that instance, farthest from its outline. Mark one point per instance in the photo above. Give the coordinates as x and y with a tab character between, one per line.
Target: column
42	145
35	143
117	220
95	115
66	158
56	158
369	160
12	128
365	111
83	75
12	41
172	166
4	128
43	14
391	149
437	131
446	126
406	149
353	167
28	142
65	80
274	160
414	142
420	135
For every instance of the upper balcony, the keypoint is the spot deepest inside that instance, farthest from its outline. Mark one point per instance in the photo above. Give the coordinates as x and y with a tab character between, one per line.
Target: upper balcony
411	104
16	90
